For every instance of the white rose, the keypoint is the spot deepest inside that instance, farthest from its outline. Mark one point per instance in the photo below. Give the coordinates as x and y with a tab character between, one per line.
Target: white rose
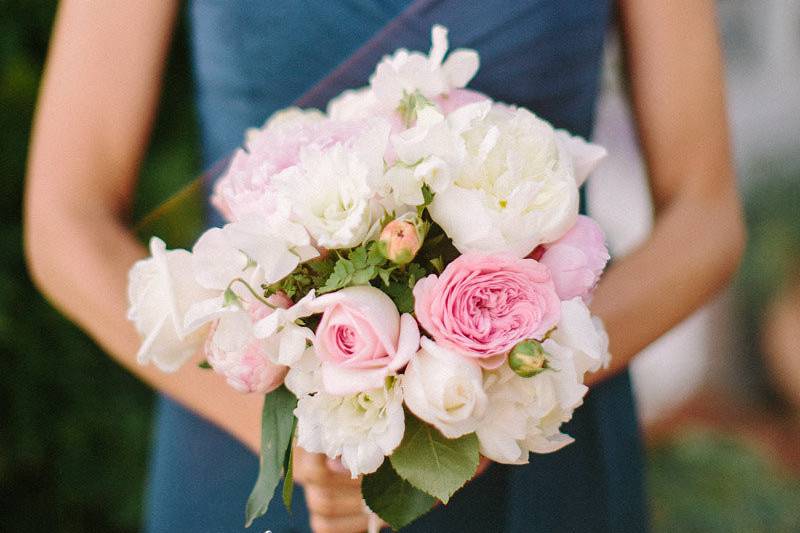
517	183
431	75
584	334
361	429
160	291
444	389
332	190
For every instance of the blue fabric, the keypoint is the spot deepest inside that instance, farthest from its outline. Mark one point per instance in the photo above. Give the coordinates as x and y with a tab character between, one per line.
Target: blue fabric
254	58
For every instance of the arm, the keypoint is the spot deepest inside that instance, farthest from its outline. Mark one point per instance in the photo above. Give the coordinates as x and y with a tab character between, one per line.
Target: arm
675	68
96	107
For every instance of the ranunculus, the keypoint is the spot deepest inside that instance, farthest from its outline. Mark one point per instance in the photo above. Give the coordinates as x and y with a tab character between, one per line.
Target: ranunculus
582	333
362	339
401	240
444	389
361	429
518	183
577	259
482	305
160	291
233	351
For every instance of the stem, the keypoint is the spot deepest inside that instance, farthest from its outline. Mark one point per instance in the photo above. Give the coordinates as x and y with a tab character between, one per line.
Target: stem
251	290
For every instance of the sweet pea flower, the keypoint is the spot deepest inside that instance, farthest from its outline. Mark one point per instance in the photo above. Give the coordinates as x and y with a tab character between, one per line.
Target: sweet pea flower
483	305
361	339
577	259
445	389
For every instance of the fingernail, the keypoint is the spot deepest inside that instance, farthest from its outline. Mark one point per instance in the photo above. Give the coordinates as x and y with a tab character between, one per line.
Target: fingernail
335	465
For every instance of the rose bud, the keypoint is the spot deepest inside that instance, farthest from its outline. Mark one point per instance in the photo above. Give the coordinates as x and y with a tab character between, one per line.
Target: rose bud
400	241
527	358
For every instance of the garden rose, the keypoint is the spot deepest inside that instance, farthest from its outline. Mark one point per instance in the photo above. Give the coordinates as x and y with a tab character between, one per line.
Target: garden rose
362	339
482	305
577	259
401	240
160	292
444	389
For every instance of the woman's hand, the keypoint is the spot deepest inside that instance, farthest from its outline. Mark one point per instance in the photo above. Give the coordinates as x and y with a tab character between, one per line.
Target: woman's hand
332	496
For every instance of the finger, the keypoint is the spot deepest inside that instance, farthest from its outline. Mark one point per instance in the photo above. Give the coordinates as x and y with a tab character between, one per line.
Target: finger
333	502
339	524
312	468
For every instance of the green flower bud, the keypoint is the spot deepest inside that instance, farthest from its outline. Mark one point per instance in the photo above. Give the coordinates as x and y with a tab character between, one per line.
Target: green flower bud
527	358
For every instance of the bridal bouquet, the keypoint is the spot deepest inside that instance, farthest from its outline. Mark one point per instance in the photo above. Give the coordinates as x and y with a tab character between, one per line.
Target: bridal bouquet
405	278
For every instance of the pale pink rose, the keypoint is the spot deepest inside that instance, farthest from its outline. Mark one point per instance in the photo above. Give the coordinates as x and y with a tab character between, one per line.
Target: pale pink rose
246	188
483	305
401	240
576	261
361	339
247	368
458	98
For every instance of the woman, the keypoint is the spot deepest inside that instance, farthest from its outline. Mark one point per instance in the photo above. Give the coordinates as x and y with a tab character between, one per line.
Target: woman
96	107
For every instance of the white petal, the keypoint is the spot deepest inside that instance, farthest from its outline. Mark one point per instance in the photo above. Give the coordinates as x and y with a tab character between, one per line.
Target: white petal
460	67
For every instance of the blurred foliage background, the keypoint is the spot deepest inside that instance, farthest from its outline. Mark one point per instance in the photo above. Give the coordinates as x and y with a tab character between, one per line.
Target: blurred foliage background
75	428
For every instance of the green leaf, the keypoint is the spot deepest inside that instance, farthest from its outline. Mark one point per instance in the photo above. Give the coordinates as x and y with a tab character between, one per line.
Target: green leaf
394	499
358	256
364	276
427	195
432	463
402	296
288	478
277	421
376	256
204	364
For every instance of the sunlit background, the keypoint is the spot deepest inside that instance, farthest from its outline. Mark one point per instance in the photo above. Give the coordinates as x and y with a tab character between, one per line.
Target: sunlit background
719	396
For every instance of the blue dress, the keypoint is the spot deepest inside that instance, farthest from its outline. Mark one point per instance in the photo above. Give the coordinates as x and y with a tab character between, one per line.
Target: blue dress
253	58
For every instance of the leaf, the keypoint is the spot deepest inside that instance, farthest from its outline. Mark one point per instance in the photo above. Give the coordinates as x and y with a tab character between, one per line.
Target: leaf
204	364
277	421
432	463
394	499
402	296
288	478
358	257
376	257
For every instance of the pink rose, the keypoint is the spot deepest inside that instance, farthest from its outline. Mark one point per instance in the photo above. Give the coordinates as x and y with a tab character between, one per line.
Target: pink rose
577	259
362	339
483	305
401	241
246	366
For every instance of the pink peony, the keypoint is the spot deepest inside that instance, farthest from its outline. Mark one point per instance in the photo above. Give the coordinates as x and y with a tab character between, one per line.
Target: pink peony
248	368
362	339
577	259
401	241
245	188
483	305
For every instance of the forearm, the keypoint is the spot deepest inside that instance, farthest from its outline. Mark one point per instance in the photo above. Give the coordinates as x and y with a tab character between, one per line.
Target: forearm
692	253
81	264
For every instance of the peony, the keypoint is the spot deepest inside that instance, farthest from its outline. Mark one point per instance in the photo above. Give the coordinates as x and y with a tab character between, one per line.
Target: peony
407	72
331	189
444	389
584	334
482	305
160	291
360	428
362	339
233	351
517	182
577	259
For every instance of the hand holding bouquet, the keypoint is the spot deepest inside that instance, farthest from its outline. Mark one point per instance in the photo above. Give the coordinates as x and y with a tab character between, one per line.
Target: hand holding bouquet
404	276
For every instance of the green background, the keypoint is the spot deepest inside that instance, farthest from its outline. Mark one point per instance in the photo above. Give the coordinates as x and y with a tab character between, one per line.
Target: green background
75	428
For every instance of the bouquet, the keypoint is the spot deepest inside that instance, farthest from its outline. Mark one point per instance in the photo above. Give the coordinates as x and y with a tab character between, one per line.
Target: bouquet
404	277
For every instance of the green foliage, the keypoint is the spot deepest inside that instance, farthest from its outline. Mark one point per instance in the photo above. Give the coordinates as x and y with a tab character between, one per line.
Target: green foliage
277	426
432	463
394	499
361	265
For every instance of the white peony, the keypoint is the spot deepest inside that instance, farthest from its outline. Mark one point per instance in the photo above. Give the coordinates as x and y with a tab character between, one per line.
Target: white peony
518	184
584	334
524	415
160	291
445	389
331	189
361	429
407	72
353	104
